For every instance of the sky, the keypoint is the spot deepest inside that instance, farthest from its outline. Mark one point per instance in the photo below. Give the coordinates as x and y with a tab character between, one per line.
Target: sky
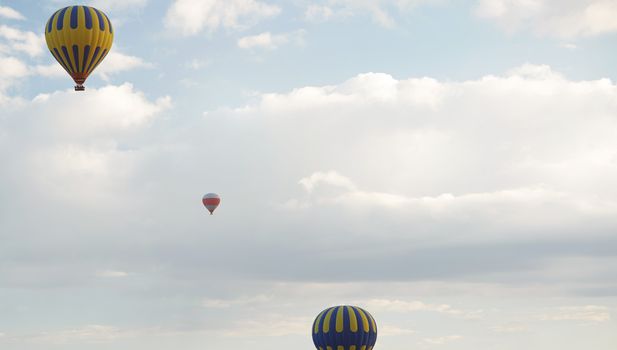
448	165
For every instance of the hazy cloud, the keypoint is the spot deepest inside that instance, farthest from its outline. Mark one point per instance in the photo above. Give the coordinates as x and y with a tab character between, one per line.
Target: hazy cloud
563	19
190	17
10	13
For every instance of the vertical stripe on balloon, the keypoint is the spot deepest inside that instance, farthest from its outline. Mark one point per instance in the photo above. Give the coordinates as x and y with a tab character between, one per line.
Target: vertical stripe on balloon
101	23
60	22
85	59
326	322
88	17
364	320
353	321
339	319
74	12
76	57
94	56
68	59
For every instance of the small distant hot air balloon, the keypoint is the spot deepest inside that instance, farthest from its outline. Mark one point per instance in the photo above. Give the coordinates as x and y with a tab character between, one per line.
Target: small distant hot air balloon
344	328
211	201
79	38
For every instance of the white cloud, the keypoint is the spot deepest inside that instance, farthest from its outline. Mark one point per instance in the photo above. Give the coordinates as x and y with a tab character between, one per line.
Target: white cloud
10	13
11	71
269	41
111	108
74	140
328	178
442	340
23	41
53	70
490	151
318	12
117	61
11	67
589	313
380	10
563	19
190	17
395	305
118	4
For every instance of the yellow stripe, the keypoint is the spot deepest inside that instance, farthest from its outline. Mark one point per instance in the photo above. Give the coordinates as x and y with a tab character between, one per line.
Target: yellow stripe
339	320
340	347
353	321
316	327
353	347
328	348
363	347
364	319
373	325
326	322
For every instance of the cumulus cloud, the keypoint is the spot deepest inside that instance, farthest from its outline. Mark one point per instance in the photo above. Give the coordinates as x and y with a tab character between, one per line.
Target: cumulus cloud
110	108
556	18
10	13
409	193
77	137
16	40
270	41
190	17
117	61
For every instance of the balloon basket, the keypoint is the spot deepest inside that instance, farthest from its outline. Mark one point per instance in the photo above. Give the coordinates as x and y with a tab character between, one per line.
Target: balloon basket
80	87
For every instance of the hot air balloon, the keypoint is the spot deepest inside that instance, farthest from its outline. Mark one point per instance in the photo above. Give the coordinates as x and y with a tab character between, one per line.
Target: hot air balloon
211	201
79	38
344	328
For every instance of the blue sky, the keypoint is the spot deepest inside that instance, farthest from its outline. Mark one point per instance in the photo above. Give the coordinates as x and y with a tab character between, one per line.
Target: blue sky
449	166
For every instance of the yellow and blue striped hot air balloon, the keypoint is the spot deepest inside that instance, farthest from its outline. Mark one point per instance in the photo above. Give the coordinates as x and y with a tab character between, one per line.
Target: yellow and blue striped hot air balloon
79	38
344	328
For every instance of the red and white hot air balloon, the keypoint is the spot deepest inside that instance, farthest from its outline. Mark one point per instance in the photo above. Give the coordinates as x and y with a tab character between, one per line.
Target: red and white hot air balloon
211	201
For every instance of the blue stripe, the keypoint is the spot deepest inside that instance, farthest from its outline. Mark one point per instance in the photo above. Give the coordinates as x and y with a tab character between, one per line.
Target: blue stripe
94	56
101	23
100	58
109	22
74	13
85	60
68	59
51	19
88	17
60	22
60	59
76	57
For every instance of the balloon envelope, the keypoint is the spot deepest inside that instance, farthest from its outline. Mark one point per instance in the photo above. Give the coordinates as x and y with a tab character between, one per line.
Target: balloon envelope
79	38
349	327
211	201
